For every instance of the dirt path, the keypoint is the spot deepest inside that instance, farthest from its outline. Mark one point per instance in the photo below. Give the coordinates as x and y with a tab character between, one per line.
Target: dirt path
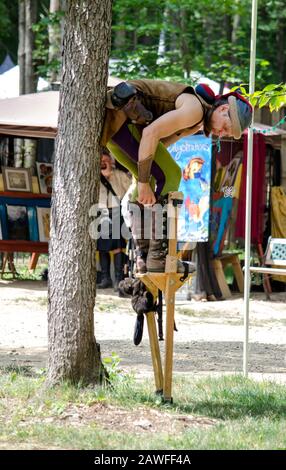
209	337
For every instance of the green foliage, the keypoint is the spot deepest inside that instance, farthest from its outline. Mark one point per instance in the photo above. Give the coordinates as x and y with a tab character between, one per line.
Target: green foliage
271	95
115	375
44	66
210	37
8	29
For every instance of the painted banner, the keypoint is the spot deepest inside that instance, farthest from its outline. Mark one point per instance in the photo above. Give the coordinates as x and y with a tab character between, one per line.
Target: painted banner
193	155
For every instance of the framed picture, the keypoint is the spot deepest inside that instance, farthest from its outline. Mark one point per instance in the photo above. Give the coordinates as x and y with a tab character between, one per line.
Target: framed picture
43	215
17	179
276	252
17	222
45	176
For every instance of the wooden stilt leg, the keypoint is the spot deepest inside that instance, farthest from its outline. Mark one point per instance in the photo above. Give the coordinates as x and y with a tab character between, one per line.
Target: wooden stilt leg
155	351
170	317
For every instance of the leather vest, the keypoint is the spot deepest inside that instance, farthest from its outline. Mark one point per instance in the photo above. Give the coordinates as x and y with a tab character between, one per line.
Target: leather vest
158	96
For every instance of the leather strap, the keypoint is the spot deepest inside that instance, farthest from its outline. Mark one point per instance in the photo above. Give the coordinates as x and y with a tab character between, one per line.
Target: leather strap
144	169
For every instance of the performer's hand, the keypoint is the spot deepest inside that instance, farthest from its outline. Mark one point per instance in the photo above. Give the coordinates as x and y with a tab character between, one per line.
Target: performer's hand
145	194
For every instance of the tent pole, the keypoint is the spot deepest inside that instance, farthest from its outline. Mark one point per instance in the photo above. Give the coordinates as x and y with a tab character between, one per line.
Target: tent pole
249	192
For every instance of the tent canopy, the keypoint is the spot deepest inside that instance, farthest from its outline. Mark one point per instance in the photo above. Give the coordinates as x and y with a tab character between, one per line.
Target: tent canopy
33	115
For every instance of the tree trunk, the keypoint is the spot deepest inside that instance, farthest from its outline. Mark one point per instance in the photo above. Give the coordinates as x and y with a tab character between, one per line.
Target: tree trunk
54	41
280	40
27	76
120	34
184	43
21	47
73	351
30	19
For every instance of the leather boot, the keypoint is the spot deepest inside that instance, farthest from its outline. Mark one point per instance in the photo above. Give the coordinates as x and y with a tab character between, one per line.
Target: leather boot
119	259
140	233
104	259
159	244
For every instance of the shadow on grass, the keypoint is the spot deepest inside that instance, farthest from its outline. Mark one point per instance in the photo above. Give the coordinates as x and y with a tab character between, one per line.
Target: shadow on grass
25	371
234	397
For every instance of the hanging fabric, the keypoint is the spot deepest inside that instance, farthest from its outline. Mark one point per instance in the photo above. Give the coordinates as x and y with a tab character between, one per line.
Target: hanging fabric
258	191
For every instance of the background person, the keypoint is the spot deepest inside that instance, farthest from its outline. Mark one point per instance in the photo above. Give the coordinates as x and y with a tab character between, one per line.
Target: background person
113	185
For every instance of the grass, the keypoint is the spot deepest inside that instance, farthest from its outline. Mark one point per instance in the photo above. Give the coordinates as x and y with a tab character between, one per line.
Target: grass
21	262
244	414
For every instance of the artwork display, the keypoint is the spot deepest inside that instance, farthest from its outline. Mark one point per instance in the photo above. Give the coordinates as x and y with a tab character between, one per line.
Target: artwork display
220	214
16	179
276	252
45	176
43	215
3	217
33	224
17	222
193	155
25	217
230	173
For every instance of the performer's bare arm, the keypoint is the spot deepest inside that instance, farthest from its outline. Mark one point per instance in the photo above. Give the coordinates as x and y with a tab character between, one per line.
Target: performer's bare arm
187	113
172	139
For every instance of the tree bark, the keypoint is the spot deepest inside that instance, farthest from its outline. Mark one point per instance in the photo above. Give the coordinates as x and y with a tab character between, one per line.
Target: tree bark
27	77
54	41
184	43
73	351
30	19
21	47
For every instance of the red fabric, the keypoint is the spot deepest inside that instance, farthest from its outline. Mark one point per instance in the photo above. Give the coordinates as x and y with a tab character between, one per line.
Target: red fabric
258	191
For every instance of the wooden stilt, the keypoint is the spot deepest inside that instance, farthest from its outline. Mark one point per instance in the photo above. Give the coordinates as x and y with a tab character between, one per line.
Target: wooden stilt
155	352
170	320
168	282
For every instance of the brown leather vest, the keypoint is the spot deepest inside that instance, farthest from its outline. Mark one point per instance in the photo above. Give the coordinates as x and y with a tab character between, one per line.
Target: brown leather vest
158	96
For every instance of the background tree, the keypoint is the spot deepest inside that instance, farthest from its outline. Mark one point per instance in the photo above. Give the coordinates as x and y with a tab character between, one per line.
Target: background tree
211	37
48	39
27	17
73	352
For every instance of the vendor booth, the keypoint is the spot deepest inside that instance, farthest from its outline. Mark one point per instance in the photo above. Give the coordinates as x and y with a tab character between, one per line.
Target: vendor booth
25	197
25	194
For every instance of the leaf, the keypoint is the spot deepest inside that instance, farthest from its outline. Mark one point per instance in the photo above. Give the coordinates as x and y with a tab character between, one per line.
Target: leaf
270	87
263	101
276	103
253	101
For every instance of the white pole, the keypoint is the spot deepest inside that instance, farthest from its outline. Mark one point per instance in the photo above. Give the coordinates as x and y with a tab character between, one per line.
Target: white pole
249	192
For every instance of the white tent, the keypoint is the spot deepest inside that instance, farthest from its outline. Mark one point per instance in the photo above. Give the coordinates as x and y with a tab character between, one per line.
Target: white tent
33	115
9	83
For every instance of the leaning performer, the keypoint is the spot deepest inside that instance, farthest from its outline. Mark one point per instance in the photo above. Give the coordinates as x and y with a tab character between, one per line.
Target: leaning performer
142	118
